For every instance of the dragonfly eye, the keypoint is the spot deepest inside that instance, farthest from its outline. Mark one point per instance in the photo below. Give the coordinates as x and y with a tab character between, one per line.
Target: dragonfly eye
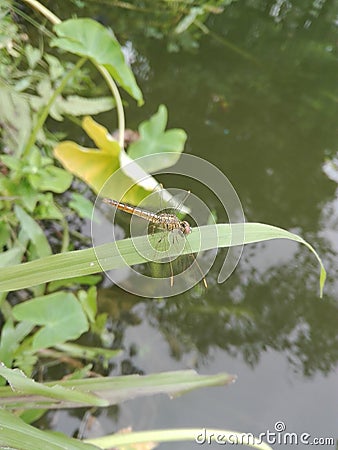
186	229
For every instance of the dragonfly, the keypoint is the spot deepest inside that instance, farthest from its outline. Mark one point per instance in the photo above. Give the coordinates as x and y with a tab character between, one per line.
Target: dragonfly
168	222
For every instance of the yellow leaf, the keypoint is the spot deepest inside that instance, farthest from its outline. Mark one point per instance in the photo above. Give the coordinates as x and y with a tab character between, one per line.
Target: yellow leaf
94	166
99	134
91	165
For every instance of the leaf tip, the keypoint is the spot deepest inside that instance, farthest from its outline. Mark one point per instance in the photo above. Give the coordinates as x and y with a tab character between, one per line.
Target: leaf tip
322	280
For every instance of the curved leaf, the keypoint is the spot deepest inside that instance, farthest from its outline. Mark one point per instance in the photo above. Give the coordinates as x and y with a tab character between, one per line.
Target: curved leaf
86	37
84	262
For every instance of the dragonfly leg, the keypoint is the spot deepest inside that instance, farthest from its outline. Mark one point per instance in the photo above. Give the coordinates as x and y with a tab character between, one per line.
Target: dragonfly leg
200	270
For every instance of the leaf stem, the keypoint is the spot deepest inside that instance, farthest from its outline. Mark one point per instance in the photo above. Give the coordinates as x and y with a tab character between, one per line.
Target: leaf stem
43	116
44	11
118	100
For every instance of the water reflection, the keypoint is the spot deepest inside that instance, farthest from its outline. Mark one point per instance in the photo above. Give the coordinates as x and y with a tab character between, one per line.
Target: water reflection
269	126
268	122
252	312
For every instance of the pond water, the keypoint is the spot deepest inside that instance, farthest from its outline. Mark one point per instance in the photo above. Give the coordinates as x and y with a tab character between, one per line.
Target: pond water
258	99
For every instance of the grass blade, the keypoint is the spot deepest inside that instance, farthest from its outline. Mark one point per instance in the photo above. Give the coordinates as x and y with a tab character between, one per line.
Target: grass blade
117	254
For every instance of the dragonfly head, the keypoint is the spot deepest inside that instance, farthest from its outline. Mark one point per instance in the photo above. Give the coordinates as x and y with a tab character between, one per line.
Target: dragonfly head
185	227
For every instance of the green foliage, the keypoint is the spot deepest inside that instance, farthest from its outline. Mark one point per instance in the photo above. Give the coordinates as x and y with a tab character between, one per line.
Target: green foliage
96	165
17	432
86	37
73	105
39	85
154	139
181	25
98	392
33	85
31	177
88	353
39	244
16	118
81	205
101	391
31	77
119	253
50	321
26	180
59	315
89	280
58	393
11	339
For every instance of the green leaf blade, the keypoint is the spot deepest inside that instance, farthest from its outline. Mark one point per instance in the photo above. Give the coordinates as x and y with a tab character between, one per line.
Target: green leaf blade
81	205
121	253
86	37
167	145
51	178
15	433
34	232
102	391
60	315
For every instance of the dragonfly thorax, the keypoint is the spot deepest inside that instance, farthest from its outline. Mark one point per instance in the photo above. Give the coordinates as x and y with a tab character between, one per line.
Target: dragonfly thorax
165	221
171	222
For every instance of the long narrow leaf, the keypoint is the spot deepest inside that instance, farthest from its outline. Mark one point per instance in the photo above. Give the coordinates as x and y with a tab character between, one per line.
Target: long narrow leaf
104	391
41	394
121	253
15	433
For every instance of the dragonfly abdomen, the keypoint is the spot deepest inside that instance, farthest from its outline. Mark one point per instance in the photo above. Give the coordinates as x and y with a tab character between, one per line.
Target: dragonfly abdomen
165	221
147	215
